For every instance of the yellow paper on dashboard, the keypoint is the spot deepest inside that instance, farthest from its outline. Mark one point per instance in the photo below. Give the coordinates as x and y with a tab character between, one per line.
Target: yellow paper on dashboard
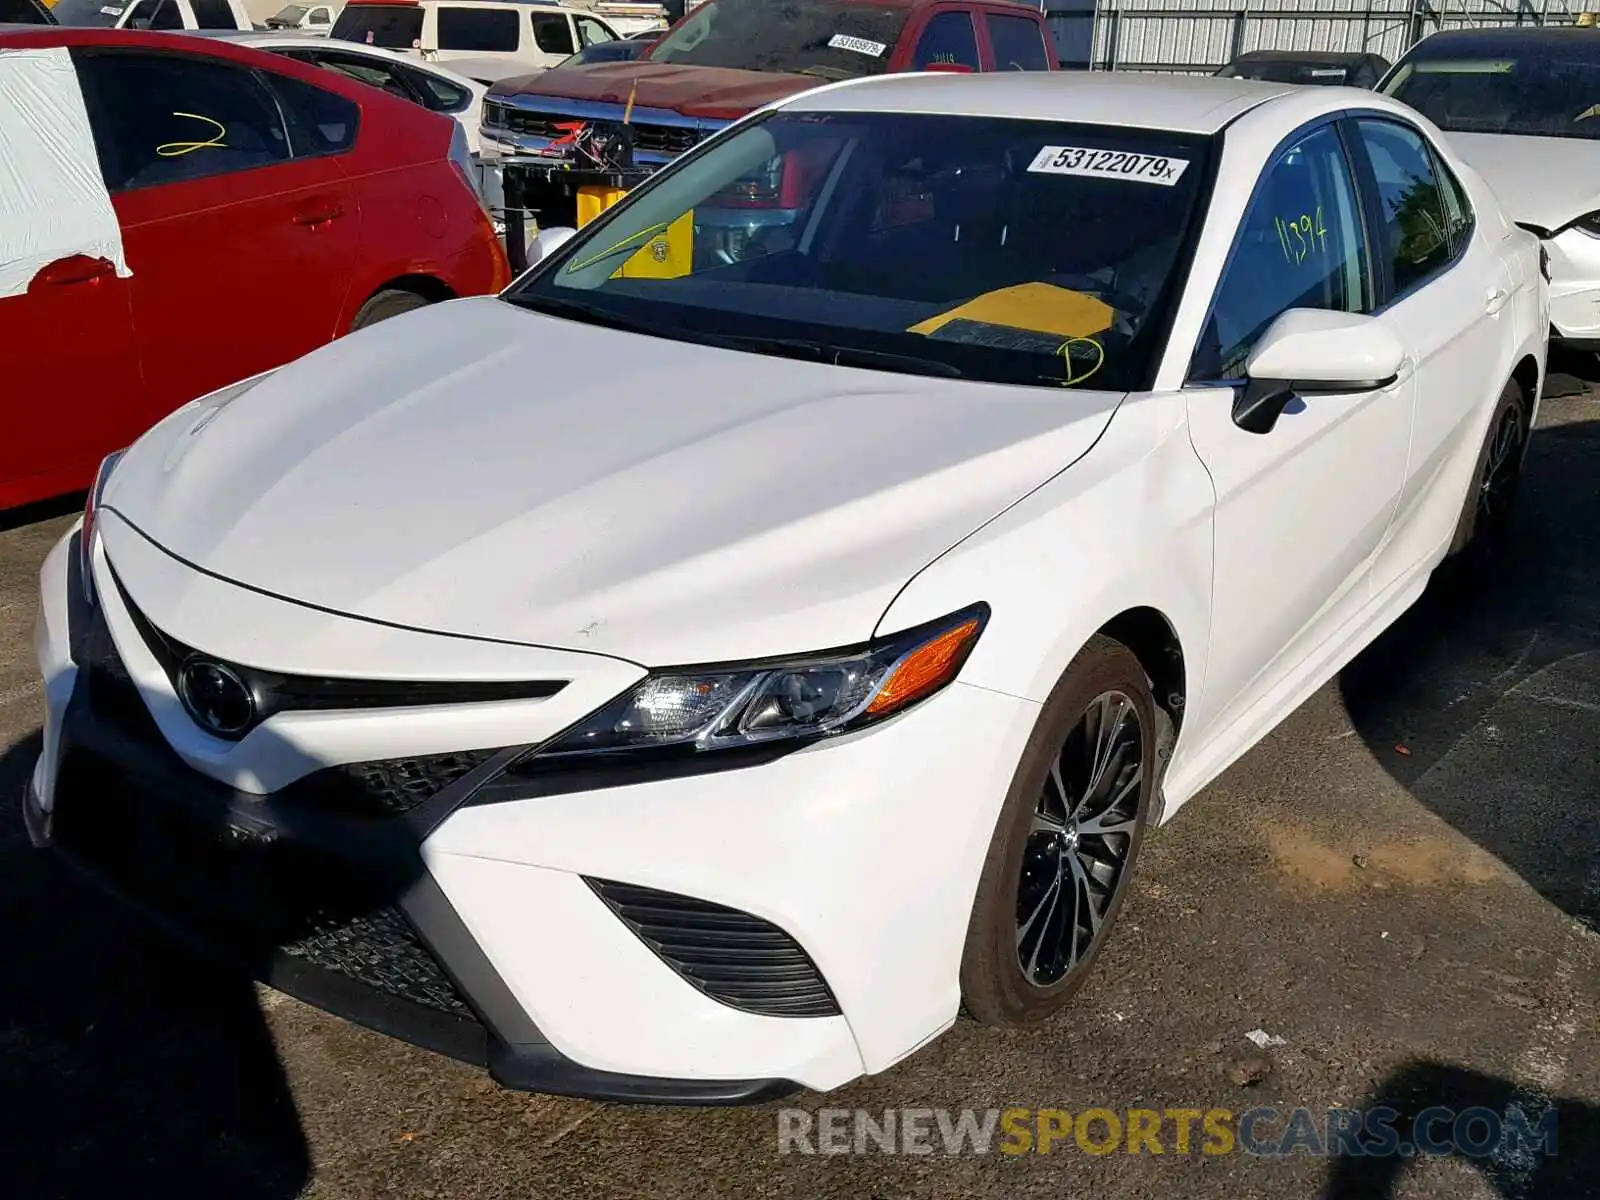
1033	307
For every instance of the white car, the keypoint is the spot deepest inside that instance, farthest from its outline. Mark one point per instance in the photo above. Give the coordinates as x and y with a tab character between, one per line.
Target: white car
1520	105
314	19
700	669
424	84
486	40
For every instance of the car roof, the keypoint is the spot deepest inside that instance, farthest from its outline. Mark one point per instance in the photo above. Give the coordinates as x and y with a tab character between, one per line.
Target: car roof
1332	57
1508	39
1180	103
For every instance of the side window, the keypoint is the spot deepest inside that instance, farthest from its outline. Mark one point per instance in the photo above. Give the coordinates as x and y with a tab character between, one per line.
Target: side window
164	118
156	14
319	16
1459	218
1416	228
319	121
372	71
440	95
481	29
948	38
1018	44
591	32
1300	245
213	14
552	34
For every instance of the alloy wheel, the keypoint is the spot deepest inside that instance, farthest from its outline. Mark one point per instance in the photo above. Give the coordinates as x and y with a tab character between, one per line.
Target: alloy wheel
1501	468
1080	840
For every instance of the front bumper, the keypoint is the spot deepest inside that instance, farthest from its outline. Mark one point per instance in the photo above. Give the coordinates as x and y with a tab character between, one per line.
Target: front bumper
551	927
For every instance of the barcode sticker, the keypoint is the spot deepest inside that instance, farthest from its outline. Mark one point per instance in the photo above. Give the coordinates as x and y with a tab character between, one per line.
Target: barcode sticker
843	41
1109	164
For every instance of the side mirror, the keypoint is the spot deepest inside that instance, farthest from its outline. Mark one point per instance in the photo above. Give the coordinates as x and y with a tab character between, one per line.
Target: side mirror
949	68
1307	351
549	241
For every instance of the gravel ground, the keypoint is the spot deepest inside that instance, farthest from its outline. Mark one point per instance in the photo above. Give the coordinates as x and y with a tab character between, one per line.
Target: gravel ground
1402	883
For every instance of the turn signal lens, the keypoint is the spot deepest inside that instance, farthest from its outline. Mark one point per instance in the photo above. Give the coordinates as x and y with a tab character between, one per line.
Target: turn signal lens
929	667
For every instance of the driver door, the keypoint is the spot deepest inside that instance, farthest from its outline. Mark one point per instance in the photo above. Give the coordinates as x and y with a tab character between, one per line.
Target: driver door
1301	510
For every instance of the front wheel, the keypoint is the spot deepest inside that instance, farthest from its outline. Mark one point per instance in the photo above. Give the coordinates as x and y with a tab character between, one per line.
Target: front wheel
1063	851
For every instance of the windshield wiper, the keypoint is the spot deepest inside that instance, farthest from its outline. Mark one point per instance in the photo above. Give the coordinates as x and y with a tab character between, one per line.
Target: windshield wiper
579	310
839	356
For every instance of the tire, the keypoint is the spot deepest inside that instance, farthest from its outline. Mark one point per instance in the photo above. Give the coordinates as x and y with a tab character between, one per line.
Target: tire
390	302
1010	973
1486	509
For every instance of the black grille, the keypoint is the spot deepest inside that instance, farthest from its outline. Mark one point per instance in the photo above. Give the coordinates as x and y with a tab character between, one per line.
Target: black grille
382	951
385	788
658	139
249	894
731	956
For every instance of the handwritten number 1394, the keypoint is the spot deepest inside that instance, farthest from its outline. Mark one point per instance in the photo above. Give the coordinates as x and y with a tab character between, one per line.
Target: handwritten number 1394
1301	235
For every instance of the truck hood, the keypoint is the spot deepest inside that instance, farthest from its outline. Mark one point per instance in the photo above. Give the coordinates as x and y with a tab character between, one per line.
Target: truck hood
482	470
694	91
1544	182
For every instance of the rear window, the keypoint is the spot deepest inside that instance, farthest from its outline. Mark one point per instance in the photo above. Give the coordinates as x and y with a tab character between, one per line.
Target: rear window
1532	93
396	26
1278	70
485	30
213	14
827	39
1022	252
1018	44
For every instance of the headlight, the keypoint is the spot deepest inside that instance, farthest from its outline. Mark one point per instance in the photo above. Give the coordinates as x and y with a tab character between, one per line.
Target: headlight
91	509
716	708
1589	224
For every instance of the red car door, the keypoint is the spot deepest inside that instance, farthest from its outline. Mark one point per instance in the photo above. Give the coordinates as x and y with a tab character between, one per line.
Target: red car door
238	222
69	363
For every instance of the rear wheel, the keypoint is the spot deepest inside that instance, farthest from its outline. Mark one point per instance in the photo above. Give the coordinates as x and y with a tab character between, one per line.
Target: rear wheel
1486	511
390	302
1064	848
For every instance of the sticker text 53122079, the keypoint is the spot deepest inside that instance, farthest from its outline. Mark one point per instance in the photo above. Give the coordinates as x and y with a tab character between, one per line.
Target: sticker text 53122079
1109	164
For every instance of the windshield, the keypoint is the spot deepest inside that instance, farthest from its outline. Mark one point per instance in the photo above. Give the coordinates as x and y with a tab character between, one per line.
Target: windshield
396	26
1533	94
1278	70
829	39
1024	252
99	13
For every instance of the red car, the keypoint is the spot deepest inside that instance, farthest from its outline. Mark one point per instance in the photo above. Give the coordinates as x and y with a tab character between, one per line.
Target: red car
220	212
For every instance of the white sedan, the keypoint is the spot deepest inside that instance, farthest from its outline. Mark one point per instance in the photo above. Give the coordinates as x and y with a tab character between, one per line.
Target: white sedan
701	669
1519	104
425	84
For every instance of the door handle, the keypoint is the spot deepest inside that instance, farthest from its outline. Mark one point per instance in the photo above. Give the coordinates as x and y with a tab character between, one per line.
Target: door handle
318	214
1495	300
77	268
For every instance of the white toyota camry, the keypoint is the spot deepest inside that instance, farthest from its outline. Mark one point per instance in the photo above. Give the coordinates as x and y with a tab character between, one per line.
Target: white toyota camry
701	669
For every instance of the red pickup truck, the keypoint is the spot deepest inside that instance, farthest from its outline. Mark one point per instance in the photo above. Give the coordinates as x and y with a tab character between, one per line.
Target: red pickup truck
727	58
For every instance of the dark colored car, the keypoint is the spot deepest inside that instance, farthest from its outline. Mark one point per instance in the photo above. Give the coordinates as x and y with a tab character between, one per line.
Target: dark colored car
621	50
1315	67
25	12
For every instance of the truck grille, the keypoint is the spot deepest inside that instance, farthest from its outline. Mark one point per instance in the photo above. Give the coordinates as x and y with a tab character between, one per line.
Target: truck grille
731	956
656	139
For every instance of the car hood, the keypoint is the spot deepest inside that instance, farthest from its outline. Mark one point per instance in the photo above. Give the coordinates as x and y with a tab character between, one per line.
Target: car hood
694	91
482	470
1545	182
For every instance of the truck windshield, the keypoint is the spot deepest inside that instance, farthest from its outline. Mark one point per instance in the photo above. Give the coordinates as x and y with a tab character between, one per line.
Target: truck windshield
396	26
829	39
1535	93
1022	252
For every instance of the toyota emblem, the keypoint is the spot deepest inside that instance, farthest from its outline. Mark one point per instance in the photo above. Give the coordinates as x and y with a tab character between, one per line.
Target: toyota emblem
215	696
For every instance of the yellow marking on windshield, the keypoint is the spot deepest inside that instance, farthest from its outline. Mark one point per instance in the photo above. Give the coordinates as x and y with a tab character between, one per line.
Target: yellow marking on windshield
1065	351
644	235
1034	307
1592	111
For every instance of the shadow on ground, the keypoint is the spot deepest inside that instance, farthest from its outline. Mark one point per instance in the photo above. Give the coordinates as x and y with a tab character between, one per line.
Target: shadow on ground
1484	699
1561	1168
126	1067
